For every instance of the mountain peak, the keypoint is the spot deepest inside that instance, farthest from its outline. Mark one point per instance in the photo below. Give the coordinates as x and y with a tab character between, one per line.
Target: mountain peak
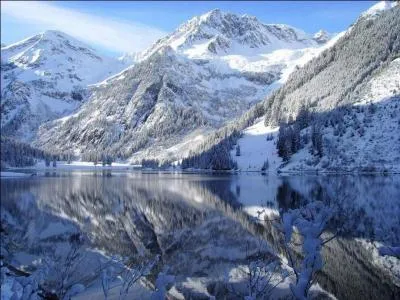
53	32
65	39
322	36
250	17
57	39
223	33
215	13
53	53
51	70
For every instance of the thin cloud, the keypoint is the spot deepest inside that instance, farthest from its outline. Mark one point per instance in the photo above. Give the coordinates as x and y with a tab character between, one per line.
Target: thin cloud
115	35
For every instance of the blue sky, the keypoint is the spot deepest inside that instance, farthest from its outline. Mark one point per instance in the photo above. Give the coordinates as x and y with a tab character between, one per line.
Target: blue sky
121	26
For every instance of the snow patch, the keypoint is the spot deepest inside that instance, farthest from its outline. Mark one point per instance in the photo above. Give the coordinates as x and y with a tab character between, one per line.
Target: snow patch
255	149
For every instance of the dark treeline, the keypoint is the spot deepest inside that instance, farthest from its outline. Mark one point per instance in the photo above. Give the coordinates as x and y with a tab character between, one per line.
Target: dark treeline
154	164
98	158
18	154
214	153
150	163
292	137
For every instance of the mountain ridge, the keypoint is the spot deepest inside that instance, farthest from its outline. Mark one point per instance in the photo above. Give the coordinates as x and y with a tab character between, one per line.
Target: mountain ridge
168	96
221	30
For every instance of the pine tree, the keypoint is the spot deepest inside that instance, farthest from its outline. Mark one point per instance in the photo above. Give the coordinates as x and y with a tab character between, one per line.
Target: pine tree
316	139
265	166
295	138
109	160
69	157
284	143
303	117
237	150
281	140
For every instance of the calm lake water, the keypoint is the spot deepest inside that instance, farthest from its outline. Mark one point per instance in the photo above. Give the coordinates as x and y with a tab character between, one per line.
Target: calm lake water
202	226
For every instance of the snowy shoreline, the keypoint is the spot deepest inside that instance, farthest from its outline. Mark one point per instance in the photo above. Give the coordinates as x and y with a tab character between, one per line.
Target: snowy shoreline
7	174
123	166
14	172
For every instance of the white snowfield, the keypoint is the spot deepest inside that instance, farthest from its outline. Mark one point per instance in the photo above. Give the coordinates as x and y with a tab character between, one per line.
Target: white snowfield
255	149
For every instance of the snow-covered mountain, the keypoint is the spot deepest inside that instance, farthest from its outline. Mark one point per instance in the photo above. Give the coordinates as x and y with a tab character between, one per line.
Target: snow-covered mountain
322	36
44	77
207	72
217	32
341	109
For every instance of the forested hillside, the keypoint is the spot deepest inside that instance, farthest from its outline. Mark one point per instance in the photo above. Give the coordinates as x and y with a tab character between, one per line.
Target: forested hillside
353	84
18	154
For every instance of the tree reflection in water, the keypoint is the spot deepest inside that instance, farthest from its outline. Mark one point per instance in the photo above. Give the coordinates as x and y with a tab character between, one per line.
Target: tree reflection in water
203	226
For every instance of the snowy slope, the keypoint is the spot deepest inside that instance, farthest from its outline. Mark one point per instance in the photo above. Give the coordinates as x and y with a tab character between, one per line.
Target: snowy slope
354	98
206	73
378	8
43	77
255	148
371	140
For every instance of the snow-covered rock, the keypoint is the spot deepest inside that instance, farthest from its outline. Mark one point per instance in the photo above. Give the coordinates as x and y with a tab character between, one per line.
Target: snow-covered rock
44	77
378	8
130	58
322	36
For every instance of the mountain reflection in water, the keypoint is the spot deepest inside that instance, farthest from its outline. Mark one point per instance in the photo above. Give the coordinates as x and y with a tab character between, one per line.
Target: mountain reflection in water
203	225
